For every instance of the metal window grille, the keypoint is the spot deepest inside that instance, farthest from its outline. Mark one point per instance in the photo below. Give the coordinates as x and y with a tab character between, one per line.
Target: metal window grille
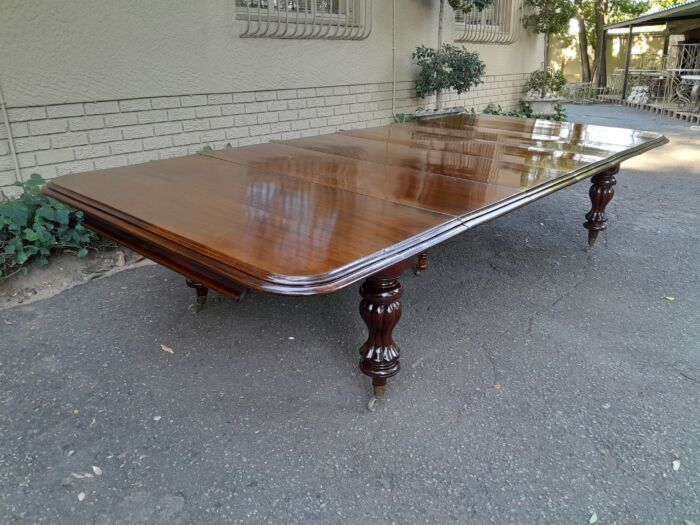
683	60
306	19
499	23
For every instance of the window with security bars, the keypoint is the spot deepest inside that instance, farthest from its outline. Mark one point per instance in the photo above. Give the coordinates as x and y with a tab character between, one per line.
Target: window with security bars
321	19
499	23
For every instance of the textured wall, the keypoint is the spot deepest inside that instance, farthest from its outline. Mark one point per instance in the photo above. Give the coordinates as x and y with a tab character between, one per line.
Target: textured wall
100	83
65	138
90	50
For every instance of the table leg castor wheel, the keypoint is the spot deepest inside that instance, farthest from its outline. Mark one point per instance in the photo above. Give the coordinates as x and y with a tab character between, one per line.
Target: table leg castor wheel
195	308
421	264
377	396
202	292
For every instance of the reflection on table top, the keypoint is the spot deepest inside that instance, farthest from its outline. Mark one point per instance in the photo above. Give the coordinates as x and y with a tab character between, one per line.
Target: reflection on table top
313	214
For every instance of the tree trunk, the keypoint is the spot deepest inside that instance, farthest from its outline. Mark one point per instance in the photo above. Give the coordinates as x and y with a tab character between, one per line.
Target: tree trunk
583	43
602	67
438	94
543	93
601	18
583	52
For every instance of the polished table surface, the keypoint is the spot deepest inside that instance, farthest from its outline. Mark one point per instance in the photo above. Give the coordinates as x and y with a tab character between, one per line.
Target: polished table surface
312	215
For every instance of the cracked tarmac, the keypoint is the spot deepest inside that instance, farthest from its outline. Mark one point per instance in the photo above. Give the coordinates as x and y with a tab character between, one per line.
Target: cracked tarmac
540	382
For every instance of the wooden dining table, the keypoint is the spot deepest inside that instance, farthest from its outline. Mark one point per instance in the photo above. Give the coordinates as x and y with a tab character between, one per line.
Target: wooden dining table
313	215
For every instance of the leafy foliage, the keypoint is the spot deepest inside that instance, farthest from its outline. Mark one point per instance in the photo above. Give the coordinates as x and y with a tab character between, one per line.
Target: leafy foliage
451	67
593	15
525	112
559	112
619	10
496	109
208	148
401	118
665	4
613	11
553	82
33	225
549	16
465	6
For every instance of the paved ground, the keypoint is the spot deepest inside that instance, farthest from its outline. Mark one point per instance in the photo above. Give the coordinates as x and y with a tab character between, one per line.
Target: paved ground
541	383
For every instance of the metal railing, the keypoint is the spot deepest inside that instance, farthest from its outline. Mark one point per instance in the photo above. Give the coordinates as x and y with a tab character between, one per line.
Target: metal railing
684	57
500	23
658	80
306	19
582	92
684	60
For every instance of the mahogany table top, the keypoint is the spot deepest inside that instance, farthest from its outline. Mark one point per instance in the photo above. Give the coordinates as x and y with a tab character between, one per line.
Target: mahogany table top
312	215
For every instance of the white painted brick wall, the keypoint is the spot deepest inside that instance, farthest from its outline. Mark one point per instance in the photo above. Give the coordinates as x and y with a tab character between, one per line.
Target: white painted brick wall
69	138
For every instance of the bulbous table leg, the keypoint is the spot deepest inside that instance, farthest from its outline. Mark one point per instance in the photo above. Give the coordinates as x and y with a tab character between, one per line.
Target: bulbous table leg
380	309
422	263
201	290
601	193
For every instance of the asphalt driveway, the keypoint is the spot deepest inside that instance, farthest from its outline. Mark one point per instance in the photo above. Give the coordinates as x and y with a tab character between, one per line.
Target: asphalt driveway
541	383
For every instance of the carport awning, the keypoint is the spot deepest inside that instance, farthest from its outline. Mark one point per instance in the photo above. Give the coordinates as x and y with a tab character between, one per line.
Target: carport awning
687	11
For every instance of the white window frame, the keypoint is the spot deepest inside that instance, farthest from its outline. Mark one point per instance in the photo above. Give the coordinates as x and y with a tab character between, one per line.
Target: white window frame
499	23
306	19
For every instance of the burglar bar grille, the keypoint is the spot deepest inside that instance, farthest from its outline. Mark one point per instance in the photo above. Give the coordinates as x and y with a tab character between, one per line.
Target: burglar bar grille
306	19
500	23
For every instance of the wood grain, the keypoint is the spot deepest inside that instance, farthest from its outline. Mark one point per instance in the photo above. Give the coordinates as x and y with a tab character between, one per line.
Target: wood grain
312	215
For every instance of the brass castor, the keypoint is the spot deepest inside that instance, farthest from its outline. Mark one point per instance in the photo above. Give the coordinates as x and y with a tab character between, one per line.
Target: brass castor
194	308
421	264
202	292
377	395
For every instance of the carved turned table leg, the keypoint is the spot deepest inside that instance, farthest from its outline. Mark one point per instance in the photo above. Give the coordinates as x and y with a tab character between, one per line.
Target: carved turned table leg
601	193
422	263
380	309
201	290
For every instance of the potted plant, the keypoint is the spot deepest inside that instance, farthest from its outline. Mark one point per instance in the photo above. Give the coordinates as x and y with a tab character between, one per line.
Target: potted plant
544	88
447	66
548	17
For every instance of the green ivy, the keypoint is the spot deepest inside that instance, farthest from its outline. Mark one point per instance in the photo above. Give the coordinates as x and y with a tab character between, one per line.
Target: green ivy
32	226
209	149
401	118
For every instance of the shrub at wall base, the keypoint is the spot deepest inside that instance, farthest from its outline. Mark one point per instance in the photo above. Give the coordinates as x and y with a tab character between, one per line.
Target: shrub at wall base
32	226
544	89
450	67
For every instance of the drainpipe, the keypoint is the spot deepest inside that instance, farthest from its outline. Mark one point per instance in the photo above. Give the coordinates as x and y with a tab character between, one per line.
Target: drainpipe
10	140
393	59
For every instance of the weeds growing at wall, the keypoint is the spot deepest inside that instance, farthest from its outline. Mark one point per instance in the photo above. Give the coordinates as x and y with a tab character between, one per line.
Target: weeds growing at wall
526	112
559	112
33	226
496	109
402	118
